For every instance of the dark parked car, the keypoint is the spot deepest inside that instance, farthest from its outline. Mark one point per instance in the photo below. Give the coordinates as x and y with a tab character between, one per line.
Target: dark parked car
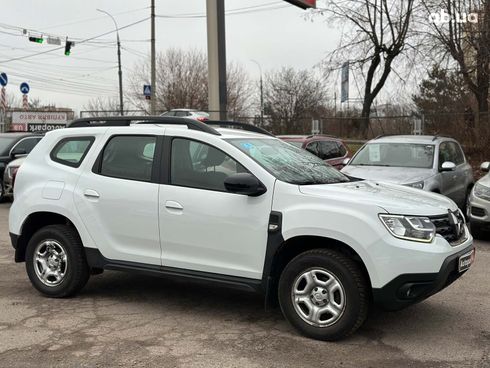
12	146
330	149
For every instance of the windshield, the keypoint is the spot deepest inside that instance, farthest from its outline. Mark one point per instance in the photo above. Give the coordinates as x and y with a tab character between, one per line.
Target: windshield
288	163
395	154
5	144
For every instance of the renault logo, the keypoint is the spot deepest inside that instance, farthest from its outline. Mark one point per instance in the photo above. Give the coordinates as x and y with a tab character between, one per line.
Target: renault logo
455	223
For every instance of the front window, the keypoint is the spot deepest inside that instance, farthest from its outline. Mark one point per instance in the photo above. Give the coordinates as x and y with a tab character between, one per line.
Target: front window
288	163
408	155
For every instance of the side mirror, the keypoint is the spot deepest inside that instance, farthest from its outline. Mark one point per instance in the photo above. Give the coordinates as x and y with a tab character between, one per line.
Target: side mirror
485	167
346	161
448	166
244	183
18	152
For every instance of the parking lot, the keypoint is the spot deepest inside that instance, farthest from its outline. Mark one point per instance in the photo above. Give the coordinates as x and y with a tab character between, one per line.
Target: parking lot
130	320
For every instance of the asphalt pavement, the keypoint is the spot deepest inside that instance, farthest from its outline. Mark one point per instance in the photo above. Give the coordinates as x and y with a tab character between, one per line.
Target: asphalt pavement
123	320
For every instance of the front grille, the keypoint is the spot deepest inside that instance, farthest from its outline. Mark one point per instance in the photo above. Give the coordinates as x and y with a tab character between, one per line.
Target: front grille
477	211
450	227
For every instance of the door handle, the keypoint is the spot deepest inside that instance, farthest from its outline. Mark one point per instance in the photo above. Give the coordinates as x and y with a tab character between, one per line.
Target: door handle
90	193
173	205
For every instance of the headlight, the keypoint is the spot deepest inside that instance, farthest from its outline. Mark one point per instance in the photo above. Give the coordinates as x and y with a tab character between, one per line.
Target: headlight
482	192
413	228
418	185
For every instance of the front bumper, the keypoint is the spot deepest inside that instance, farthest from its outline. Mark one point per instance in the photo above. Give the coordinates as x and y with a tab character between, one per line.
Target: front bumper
408	289
479	210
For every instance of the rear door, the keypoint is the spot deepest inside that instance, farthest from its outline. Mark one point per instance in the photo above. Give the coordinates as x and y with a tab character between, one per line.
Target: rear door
118	198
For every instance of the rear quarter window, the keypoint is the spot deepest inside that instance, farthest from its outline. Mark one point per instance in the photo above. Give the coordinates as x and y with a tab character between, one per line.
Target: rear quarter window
71	151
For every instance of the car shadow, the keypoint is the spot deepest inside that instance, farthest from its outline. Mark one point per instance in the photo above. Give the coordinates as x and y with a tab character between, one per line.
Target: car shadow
224	305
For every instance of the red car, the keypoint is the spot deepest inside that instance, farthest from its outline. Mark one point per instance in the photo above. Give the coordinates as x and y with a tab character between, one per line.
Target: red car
330	149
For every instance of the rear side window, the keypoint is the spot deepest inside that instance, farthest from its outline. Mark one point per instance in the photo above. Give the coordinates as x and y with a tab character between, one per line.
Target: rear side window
71	151
129	157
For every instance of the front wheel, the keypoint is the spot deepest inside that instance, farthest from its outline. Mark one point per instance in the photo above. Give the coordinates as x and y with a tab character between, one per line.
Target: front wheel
324	294
55	261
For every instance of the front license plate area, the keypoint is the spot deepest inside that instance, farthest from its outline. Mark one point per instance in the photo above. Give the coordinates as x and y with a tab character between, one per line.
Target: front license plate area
466	260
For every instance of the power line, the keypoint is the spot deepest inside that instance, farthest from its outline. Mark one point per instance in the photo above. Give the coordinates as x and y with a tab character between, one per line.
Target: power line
237	11
79	42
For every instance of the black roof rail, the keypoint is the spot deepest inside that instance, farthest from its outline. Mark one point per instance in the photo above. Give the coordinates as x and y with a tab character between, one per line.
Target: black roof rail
128	120
321	135
236	124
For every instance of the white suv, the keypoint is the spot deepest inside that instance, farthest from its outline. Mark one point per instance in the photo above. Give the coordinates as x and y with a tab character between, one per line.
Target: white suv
179	198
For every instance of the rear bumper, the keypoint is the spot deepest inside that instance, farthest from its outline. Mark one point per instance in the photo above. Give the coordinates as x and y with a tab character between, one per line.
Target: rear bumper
408	289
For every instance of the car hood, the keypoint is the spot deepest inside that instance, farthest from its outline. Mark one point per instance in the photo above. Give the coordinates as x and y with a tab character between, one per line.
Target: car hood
393	198
485	180
397	175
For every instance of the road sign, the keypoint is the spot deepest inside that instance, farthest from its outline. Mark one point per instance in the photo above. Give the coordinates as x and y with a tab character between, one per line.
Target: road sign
24	88
147	91
3	79
54	40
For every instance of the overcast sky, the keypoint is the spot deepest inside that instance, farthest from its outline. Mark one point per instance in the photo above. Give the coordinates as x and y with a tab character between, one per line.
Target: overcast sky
275	35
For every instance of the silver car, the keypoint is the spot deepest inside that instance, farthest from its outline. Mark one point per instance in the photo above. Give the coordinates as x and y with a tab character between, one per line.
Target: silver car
478	211
432	163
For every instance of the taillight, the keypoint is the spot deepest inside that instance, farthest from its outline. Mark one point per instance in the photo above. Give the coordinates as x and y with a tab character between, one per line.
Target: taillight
202	119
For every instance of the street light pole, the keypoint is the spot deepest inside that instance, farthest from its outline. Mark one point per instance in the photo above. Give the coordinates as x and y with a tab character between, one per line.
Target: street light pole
261	93
121	103
153	102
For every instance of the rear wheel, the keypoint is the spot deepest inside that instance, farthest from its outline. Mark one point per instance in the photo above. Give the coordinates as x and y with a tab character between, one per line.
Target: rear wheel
55	261
324	294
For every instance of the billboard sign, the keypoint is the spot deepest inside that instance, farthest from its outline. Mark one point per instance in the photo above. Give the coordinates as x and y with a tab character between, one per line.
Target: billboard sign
304	4
35	121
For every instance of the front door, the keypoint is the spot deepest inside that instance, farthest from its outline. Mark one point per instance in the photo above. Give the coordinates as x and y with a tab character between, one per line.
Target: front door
203	227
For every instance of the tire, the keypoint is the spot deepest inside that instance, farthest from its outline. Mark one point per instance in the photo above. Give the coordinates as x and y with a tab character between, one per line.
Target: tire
349	295
60	258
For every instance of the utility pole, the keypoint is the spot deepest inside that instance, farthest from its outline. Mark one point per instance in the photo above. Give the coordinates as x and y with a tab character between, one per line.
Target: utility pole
217	98
261	94
153	61
121	103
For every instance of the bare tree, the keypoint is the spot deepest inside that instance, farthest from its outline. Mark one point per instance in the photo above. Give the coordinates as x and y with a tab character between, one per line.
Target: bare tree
182	83
100	107
290	97
375	33
460	30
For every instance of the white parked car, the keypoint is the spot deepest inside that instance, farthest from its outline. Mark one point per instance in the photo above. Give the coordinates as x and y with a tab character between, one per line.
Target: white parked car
187	113
479	204
183	199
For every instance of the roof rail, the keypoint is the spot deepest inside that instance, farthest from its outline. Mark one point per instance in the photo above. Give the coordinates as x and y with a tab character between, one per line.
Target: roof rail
236	124
321	135
128	120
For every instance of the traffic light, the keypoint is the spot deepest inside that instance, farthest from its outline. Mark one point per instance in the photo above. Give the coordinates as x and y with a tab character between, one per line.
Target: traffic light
68	46
36	39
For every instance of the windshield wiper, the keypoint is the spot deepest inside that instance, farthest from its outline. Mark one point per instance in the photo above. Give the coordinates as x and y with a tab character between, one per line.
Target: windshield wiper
383	165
